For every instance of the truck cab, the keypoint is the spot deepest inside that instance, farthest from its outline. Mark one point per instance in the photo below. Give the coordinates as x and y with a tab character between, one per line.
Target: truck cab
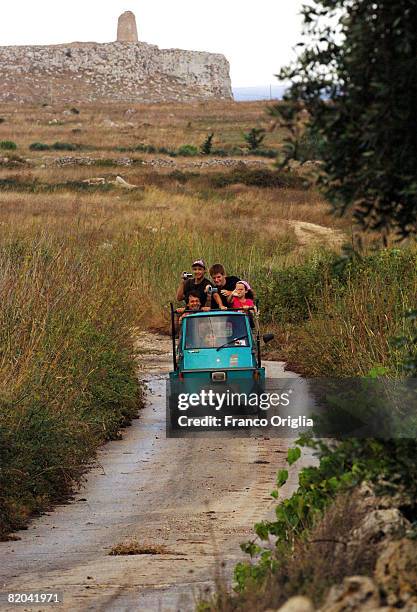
216	352
217	346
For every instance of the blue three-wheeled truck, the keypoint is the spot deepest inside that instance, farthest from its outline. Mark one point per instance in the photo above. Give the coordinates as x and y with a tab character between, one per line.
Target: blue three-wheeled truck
219	350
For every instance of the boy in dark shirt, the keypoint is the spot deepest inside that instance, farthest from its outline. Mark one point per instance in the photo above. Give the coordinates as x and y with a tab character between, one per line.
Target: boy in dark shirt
199	285
225	284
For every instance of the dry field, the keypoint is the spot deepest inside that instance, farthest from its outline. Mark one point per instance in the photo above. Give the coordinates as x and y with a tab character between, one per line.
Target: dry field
40	192
104	127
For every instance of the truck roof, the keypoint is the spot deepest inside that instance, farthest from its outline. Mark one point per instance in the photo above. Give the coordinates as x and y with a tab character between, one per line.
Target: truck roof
216	313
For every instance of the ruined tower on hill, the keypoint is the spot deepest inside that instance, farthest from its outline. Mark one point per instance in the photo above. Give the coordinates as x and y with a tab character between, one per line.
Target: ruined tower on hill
127	30
123	71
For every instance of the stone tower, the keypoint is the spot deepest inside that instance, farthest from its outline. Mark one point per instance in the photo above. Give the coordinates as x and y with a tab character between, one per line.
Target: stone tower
126	29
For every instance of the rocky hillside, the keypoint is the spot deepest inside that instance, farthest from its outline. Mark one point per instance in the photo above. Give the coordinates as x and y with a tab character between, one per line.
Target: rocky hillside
128	72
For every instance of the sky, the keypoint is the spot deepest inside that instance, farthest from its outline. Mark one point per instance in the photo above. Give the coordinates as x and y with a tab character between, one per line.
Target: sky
256	36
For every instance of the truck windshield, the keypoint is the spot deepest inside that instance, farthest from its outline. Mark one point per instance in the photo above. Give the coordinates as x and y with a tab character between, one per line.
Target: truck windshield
213	332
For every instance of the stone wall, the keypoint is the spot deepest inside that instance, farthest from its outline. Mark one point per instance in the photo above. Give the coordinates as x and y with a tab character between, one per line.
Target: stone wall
113	72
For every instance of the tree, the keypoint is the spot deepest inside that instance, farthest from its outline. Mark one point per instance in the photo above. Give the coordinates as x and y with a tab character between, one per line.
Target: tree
207	146
357	79
255	138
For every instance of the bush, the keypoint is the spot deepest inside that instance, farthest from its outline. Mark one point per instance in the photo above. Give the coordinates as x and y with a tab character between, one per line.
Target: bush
207	146
388	464
188	150
65	146
166	151
255	138
309	147
270	153
290	295
39	146
16	184
181	177
340	312
2	120
8	145
220	152
57	146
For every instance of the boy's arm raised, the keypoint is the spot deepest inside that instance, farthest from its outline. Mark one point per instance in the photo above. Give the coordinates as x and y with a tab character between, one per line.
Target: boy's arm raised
219	302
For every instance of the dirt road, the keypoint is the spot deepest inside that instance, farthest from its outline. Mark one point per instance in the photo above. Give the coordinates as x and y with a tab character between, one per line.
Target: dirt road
195	496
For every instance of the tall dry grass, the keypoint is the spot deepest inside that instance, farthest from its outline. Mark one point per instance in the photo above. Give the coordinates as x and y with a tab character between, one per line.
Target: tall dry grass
339	318
67	378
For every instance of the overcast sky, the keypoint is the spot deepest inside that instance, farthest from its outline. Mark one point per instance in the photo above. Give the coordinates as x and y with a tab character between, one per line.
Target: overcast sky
257	36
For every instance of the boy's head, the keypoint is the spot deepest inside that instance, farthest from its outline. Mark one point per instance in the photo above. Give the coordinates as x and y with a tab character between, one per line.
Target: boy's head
194	302
199	269
218	274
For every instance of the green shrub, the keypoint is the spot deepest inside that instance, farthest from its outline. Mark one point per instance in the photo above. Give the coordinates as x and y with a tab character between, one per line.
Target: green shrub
269	153
57	146
220	153
182	177
65	146
255	138
388	464
309	147
188	150
341	311
290	295
39	146
166	151
207	146
8	145
16	184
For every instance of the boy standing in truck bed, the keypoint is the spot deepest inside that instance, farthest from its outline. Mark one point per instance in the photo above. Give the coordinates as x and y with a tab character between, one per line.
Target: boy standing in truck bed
199	285
225	284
